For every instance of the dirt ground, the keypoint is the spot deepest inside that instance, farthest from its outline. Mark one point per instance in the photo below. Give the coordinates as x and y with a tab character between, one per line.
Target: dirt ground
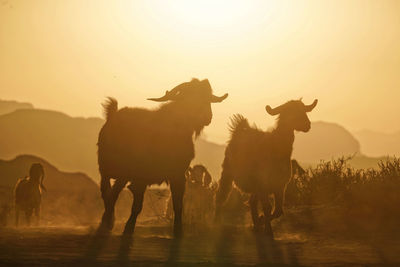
155	246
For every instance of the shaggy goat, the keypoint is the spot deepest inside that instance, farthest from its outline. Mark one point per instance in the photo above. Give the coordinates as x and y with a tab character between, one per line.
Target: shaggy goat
144	147
259	162
28	193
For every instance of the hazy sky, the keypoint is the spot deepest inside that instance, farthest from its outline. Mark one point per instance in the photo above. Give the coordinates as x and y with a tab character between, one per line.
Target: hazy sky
68	55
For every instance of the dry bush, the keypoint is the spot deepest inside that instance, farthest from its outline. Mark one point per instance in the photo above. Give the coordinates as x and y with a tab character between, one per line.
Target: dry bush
368	198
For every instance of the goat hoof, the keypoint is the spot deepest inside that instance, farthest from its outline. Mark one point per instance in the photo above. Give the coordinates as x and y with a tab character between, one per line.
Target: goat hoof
107	222
128	231
268	231
103	229
178	231
257	228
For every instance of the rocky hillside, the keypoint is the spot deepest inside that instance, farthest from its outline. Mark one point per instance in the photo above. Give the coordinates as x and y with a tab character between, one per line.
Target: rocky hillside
71	198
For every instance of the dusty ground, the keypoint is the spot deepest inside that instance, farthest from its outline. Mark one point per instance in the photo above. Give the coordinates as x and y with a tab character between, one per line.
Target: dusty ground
223	246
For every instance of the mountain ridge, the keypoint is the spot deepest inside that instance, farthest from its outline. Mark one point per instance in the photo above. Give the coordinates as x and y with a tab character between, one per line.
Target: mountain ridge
70	142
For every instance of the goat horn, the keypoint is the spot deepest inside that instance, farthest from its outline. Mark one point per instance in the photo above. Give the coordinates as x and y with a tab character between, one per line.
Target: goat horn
272	111
218	99
169	95
308	108
161	99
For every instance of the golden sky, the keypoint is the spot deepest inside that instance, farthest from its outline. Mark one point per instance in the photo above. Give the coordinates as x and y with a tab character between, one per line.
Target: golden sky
69	55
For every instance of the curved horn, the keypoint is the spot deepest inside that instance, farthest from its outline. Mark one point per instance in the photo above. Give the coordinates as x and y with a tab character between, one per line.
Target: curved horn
171	95
164	98
218	99
272	111
308	108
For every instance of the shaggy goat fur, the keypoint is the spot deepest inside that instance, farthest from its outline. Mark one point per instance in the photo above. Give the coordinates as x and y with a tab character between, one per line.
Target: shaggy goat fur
144	147
28	193
259	162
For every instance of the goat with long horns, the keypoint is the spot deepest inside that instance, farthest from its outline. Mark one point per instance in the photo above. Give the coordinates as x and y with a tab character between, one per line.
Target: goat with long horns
142	147
259	162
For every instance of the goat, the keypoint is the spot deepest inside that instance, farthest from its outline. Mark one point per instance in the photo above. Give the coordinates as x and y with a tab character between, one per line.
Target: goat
259	162
296	168
28	193
198	197
144	147
199	174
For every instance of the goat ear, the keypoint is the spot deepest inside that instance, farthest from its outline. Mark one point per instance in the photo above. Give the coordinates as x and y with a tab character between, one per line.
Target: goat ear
308	108
271	111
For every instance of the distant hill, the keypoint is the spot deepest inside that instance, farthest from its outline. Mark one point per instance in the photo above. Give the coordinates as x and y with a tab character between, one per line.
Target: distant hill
377	144
69	143
7	106
324	141
70	198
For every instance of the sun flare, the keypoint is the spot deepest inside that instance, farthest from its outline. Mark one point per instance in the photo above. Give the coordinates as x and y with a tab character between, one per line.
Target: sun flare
210	18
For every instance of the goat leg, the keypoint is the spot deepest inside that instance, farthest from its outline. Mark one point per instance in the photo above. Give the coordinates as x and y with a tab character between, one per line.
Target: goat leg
254	212
137	206
278	210
266	204
178	190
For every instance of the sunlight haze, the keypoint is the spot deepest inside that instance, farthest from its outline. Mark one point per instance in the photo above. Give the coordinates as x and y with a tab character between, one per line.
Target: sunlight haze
70	55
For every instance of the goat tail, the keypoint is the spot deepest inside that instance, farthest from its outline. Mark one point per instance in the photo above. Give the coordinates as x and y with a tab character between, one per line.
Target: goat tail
237	123
110	107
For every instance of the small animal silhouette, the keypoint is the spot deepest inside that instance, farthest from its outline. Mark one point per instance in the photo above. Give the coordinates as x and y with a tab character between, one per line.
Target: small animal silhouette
199	197
28	194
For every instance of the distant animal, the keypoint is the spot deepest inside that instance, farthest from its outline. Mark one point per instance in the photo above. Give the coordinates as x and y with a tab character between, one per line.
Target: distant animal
144	147
198	196
28	194
296	168
199	200
199	174
293	192
259	162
